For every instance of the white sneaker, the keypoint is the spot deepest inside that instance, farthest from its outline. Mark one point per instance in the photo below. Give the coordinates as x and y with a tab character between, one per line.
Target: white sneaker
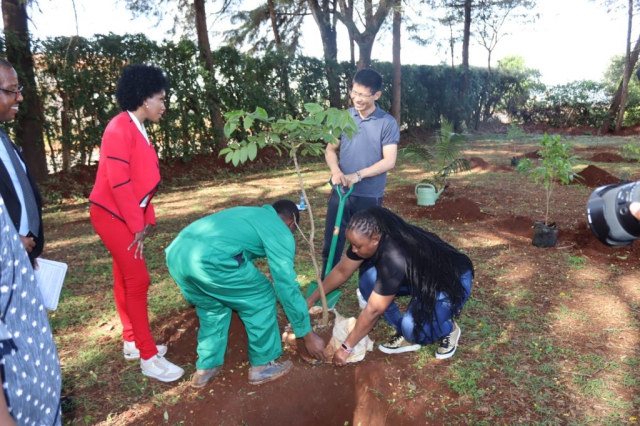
361	302
131	352
159	368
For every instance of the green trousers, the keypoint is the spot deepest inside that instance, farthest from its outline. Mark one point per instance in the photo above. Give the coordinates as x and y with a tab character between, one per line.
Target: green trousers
216	285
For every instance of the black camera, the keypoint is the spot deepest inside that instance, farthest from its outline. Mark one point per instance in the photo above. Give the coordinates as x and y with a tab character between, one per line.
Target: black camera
609	215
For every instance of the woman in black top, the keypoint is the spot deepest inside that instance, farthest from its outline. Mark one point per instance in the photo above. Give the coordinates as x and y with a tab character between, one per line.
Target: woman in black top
398	259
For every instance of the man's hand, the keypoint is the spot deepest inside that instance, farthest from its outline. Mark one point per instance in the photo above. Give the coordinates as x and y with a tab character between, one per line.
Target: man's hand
28	243
634	208
352	179
139	240
315	346
340	357
340	179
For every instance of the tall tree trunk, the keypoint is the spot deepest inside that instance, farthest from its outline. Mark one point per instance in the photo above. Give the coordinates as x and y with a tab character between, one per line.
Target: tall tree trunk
66	131
365	46
466	38
274	23
627	71
29	128
372	21
284	66
207	56
615	101
396	99
322	15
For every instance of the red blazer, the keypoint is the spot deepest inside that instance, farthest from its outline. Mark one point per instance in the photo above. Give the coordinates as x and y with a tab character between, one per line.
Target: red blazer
128	172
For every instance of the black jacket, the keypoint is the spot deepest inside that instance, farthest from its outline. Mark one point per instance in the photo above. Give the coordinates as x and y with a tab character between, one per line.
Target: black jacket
12	203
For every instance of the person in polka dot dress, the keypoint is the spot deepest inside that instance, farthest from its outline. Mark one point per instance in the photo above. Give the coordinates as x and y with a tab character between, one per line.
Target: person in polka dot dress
29	363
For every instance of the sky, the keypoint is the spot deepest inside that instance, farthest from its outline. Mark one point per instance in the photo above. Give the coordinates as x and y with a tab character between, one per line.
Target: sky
571	40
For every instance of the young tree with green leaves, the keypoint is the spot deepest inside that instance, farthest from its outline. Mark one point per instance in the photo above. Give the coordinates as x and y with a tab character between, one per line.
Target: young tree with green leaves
297	137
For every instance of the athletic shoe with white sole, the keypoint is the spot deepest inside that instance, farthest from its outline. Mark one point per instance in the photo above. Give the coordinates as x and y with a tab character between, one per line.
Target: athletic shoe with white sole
159	368
447	345
201	377
131	352
272	371
398	344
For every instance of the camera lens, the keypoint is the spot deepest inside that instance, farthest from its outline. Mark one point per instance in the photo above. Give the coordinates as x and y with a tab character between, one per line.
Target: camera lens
609	216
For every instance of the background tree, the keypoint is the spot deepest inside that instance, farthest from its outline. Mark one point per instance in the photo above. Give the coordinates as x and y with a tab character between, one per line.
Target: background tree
396	90
612	86
490	19
29	126
370	19
322	12
616	108
192	12
628	67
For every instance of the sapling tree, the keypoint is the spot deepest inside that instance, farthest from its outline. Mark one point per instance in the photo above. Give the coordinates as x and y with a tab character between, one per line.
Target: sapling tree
297	137
554	167
443	158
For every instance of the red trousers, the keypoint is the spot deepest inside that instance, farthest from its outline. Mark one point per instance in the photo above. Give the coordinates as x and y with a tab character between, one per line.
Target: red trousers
130	280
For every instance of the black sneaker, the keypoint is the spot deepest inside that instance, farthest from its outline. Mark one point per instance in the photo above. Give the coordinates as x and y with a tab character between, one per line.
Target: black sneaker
397	345
448	344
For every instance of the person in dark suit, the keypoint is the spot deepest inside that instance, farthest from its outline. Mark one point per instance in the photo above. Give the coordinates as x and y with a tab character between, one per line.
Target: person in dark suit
17	187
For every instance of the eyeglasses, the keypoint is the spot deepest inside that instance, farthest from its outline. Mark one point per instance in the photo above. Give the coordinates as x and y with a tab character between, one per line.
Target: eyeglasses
15	92
355	94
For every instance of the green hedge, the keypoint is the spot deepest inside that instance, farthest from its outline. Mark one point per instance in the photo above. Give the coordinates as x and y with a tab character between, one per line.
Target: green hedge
77	79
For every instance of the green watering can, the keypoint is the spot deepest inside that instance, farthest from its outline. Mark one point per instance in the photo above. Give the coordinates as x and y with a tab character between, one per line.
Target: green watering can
332	298
427	194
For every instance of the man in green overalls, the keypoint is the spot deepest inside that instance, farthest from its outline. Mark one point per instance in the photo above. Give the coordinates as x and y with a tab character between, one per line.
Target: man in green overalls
211	260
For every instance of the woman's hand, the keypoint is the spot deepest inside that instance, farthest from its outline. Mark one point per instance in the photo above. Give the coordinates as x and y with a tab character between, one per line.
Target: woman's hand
138	241
340	357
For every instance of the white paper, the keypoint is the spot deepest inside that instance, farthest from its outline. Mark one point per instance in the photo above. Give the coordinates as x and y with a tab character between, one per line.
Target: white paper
50	276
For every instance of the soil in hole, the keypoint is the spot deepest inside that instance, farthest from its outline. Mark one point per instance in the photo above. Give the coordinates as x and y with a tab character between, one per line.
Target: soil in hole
308	395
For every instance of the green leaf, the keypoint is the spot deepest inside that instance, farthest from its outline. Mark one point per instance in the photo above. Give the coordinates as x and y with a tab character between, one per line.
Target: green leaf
329	138
252	150
319	117
236	158
223	151
243	154
229	127
275	138
248	122
229	156
166	416
261	114
313	108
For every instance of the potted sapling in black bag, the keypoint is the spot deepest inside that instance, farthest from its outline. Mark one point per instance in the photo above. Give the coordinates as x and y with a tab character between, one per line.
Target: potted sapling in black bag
554	167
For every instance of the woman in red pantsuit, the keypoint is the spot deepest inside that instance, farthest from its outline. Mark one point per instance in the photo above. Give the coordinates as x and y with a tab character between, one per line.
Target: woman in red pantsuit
122	213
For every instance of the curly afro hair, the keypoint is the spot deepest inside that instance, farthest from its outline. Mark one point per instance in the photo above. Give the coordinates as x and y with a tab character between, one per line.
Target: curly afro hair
137	83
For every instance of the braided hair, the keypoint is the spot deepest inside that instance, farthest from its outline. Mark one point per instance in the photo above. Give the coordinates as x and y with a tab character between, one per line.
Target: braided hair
433	266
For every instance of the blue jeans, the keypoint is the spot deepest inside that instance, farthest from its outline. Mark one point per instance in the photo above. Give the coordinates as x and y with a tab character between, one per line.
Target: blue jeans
442	324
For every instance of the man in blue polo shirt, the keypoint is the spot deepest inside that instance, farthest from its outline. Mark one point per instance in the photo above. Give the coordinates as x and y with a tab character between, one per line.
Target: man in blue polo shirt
363	160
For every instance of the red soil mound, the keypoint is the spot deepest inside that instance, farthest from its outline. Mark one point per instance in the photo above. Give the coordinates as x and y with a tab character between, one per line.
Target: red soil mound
594	176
